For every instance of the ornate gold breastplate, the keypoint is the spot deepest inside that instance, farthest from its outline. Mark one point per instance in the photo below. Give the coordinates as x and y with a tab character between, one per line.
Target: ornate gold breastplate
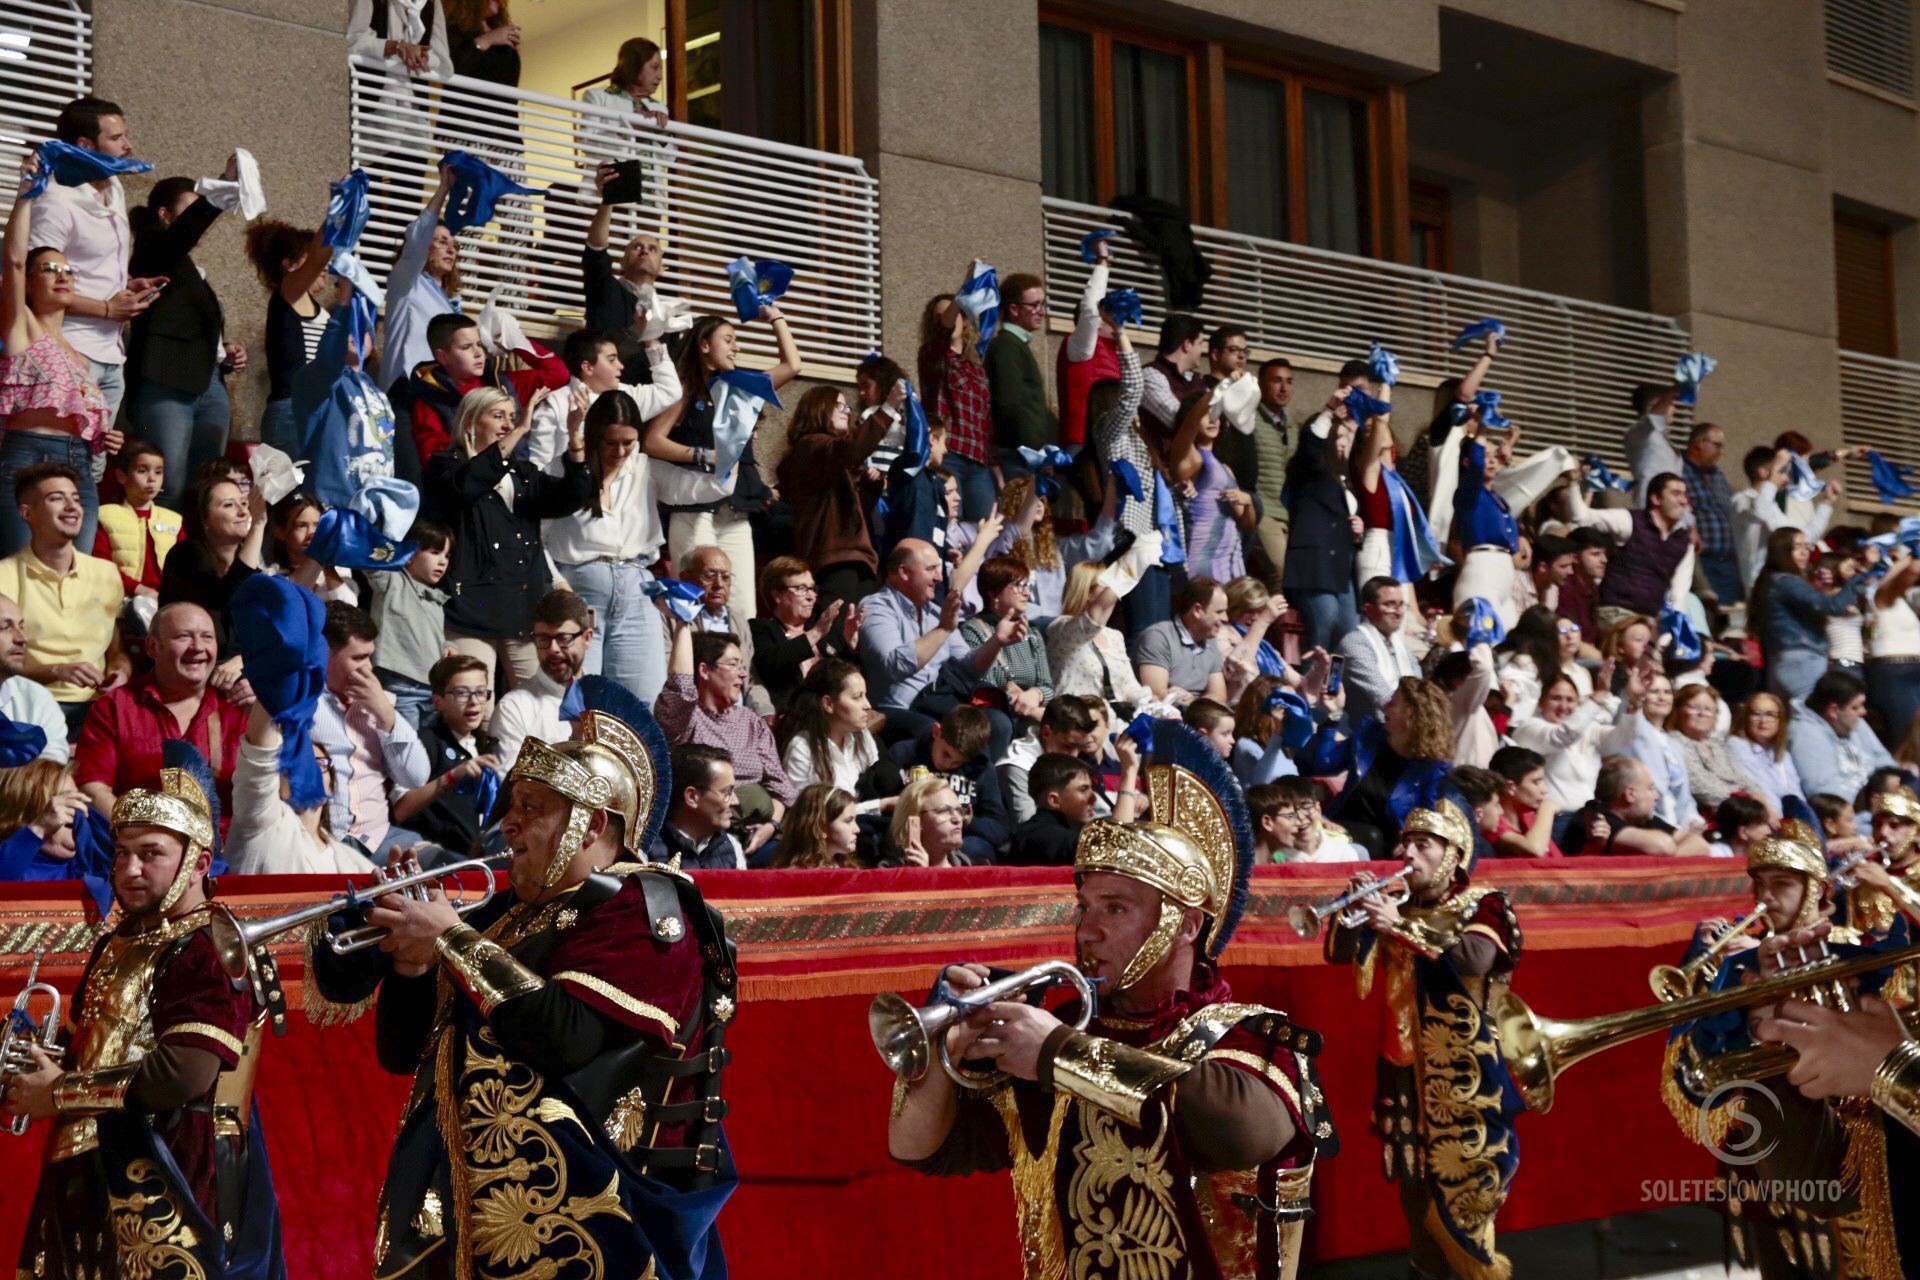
113	1019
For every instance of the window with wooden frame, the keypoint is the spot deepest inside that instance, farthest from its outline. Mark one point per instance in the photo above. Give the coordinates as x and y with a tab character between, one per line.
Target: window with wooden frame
731	65
1863	285
1429	226
1238	140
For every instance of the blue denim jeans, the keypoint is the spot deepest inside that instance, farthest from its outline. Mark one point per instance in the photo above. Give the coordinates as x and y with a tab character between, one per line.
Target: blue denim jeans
1723	575
1150	601
629	644
24	448
1325	616
278	428
977	493
189	429
411	699
1792	673
112	381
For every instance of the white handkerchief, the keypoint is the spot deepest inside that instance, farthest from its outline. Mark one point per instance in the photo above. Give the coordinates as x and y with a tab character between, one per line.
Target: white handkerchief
500	332
275	473
1124	574
664	315
246	194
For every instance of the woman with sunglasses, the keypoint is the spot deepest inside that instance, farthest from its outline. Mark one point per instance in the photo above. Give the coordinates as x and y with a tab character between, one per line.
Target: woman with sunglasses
49	403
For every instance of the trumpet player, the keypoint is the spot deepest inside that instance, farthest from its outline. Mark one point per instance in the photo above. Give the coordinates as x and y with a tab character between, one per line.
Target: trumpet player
155	1166
1175	1135
566	1040
1783	1240
1451	1152
1888	881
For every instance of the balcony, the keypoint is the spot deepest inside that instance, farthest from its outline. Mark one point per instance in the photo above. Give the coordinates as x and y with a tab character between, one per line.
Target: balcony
46	61
710	197
1566	373
1879	410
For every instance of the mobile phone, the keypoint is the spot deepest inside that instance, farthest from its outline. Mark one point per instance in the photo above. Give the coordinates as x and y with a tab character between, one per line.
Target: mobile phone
1336	667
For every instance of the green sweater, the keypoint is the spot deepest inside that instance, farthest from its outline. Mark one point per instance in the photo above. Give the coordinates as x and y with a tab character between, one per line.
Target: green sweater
1020	413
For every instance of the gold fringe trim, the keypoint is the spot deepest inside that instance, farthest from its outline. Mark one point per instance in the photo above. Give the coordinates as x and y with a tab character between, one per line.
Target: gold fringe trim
1043	1249
1865	1168
320	1011
1686	1113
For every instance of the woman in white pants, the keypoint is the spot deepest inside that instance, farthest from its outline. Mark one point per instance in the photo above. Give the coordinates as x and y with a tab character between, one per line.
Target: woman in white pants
1485	525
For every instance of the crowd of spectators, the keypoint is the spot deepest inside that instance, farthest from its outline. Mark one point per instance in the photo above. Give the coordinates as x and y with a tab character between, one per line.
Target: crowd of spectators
923	638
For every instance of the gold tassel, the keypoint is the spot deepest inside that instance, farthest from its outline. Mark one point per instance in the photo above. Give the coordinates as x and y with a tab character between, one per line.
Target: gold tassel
320	1011
1686	1114
1865	1168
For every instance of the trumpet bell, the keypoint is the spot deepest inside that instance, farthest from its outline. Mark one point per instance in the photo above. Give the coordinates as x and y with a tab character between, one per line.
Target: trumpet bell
1527	1042
231	941
1304	920
901	1036
1669	982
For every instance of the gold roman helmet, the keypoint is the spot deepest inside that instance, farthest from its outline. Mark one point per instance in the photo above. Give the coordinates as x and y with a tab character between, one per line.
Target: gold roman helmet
603	768
1446	825
1187	852
180	806
1803	856
1901	802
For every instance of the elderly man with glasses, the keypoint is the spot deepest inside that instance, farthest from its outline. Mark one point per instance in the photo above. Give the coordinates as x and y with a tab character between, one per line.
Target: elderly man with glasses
711	569
702	702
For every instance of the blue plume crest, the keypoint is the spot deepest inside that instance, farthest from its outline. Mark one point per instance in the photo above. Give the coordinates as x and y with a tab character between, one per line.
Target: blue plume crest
611	698
1176	743
176	754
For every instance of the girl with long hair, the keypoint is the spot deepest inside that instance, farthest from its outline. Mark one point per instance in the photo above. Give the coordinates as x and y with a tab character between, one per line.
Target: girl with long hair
1029	537
603	549
820	475
294	520
824	736
1791	614
1639	732
820	830
226	527
292	263
1541	646
483	40
494	503
954	389
1259	751
708	509
1087	657
1758	741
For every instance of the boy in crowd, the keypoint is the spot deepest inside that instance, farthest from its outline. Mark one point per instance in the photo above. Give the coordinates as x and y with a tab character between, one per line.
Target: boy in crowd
1068	727
955	750
1062	790
137	533
1213	722
457	750
1288	825
459	365
1738	824
1527	807
410	609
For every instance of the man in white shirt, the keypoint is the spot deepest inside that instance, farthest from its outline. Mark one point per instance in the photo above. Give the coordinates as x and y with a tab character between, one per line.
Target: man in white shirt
25	701
1236	390
365	739
562	633
1649	452
1756	510
1376	652
1172	375
89	224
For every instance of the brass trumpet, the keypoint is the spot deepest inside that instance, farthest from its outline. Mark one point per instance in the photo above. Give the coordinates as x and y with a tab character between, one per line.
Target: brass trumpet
1538	1049
906	1036
22	1031
234	939
1671	982
1307	918
1845	875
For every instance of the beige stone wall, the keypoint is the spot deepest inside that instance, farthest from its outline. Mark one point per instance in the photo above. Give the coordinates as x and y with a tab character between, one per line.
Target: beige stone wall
200	77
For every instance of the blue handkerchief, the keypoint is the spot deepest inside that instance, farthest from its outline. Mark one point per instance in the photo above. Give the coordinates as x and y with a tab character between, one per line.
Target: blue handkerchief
1489	402
683	598
1297	730
345	539
1688	372
1090	239
1476	331
1124	306
1050	456
1907	534
1384	365
1890	478
917	441
1600	476
1484	627
346	214
739	397
73	166
979	297
278	630
1129	479
1801	482
756	282
20	742
354	272
1141	731
1363	406
483	789
1678	637
473	189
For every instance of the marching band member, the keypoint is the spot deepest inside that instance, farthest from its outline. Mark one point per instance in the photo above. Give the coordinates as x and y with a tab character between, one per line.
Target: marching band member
156	1167
1887	886
1177	1133
1804	1237
1441	956
565	1040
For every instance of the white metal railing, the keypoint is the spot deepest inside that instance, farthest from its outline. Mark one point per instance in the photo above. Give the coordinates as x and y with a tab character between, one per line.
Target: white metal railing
46	61
710	197
1566	373
1879	410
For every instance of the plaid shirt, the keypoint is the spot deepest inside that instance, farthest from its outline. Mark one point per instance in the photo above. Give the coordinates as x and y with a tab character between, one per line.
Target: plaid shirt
737	731
1712	499
957	393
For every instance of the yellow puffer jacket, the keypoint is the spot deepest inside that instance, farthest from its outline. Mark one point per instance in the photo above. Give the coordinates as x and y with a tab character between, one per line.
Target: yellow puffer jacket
127	535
